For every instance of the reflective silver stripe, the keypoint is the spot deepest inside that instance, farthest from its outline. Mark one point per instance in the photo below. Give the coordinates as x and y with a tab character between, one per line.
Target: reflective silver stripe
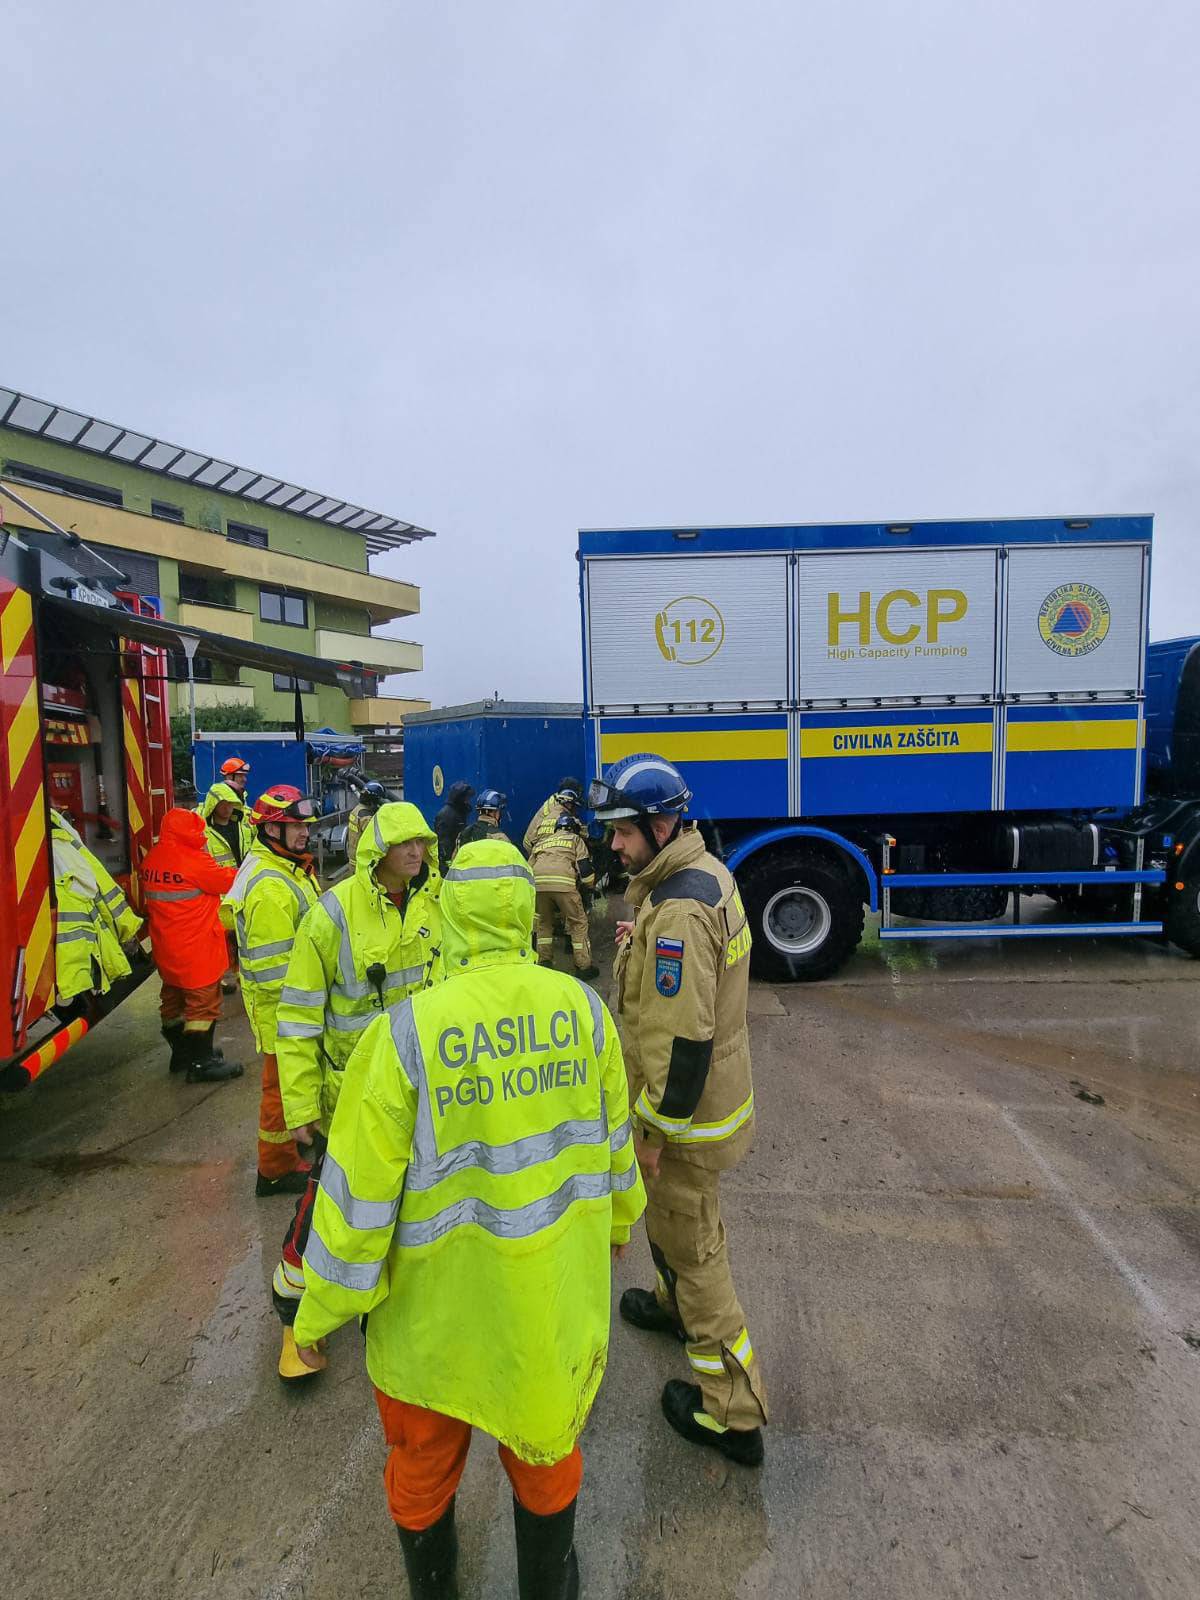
302	997
515	1223
596	1006
278	947
622	1136
361	1275
337	915
266	974
358	1213
274	872
478	874
412	1057
80	933
363	988
500	1159
626	1180
286	1029
350	1024
174	894
379	844
114	894
74	916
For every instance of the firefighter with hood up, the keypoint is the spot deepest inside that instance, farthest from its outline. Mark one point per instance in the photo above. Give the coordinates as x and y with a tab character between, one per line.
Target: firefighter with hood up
480	1175
275	886
226	832
369	942
683	975
94	919
451	820
182	888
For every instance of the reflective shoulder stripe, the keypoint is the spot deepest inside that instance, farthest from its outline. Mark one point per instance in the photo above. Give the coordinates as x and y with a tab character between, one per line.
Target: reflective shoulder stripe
302	997
408	1042
478	874
516	1222
596	1006
358	1213
281	877
174	894
361	1275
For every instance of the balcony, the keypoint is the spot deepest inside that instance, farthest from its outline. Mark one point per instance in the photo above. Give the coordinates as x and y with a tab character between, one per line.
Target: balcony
216	619
384	655
383	711
214	694
382	598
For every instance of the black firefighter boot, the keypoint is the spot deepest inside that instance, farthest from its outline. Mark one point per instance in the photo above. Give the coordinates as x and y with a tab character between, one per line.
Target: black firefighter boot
641	1307
547	1566
431	1558
208	1065
174	1035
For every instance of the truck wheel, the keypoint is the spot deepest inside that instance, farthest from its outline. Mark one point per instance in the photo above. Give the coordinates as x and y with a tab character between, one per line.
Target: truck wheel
806	916
1183	916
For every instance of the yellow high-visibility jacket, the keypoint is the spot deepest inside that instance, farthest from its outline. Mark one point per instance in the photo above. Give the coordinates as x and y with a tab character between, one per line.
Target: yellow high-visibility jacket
94	918
268	898
683	979
480	1166
218	845
354	954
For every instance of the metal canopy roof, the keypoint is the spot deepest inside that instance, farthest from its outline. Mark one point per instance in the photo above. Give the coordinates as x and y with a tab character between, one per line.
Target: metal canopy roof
44	420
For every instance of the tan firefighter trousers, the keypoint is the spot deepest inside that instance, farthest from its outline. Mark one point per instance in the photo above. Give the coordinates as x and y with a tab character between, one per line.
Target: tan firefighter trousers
570	904
687	1240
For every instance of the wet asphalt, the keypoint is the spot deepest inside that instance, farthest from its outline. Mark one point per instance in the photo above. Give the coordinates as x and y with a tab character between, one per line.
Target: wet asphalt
977	1297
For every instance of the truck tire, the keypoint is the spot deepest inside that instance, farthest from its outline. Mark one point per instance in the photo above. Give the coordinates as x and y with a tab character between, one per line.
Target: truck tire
806	915
1183	916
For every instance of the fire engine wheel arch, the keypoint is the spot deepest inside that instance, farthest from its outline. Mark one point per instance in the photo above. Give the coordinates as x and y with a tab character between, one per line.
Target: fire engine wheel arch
805	905
1183	914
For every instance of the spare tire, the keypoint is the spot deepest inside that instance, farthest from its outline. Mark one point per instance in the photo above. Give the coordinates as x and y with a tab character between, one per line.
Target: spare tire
805	911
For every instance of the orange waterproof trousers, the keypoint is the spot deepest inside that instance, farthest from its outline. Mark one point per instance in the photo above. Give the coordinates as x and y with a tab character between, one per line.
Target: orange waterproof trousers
277	1153
427	1457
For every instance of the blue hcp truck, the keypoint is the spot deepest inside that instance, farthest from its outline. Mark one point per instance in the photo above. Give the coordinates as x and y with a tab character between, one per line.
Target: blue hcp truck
930	719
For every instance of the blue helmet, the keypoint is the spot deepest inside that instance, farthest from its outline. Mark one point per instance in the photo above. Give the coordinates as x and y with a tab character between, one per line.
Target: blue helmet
639	786
491	800
373	794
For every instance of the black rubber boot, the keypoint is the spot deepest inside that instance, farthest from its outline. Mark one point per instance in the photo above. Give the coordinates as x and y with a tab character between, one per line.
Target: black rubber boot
431	1559
681	1401
290	1183
175	1037
209	1065
547	1566
641	1308
589	972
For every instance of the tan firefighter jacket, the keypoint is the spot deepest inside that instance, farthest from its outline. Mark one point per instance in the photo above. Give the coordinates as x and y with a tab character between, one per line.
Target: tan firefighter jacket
682	983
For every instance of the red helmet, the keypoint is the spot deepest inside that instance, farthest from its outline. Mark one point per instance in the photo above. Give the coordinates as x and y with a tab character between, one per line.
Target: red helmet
283	803
234	765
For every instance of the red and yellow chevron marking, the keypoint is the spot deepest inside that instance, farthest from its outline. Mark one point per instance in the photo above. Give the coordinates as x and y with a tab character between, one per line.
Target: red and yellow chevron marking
48	1053
27	918
136	798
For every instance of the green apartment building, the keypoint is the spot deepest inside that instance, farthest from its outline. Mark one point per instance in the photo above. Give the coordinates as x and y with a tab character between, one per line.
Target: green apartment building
224	548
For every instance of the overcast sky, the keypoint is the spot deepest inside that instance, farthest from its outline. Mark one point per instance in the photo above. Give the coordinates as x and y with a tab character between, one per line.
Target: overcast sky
509	269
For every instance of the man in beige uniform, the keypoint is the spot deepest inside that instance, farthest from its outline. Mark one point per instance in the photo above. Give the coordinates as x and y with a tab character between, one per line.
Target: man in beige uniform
683	973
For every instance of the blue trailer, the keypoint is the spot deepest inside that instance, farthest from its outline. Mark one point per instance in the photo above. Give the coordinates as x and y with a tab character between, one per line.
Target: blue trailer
522	748
929	719
316	764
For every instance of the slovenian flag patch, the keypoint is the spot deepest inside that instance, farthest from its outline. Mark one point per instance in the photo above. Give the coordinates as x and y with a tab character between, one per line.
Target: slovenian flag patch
668	966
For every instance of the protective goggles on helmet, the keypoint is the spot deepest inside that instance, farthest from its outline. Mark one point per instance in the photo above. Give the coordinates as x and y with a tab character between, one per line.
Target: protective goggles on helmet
610	802
234	765
284	806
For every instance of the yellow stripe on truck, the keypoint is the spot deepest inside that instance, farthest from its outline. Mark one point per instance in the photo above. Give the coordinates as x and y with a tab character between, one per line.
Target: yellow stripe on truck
721	744
1109	734
896	739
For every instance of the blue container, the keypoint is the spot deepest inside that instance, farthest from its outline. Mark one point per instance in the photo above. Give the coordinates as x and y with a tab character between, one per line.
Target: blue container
522	748
274	757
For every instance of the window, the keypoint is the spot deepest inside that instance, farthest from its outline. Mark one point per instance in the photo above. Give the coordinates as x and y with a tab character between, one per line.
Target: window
202	667
277	605
59	483
205	591
166	511
141	571
285	685
243	533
